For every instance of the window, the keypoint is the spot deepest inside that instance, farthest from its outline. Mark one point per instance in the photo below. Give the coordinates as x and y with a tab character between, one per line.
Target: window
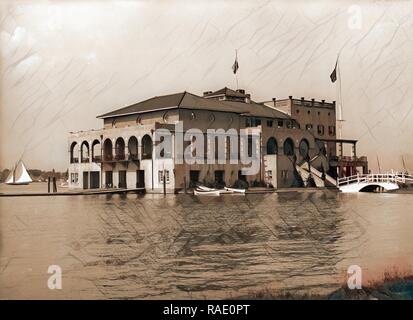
74	177
284	174
297	111
249	145
272	146
288	147
194	177
308	126
269	123
219	176
320	129
252	122
289	124
304	148
269	174
280	123
161	174
309	112
331	130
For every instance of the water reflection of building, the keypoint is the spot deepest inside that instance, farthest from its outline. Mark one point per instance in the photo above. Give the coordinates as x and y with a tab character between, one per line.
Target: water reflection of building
296	136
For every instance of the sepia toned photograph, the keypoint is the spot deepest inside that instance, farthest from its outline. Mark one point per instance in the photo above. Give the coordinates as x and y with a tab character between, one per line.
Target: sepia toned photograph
224	150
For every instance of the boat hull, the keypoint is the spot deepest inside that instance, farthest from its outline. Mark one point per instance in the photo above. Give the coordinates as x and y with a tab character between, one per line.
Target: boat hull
206	193
18	183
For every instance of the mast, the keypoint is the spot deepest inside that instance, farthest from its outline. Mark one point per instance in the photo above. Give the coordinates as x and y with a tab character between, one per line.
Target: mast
340	101
404	164
378	163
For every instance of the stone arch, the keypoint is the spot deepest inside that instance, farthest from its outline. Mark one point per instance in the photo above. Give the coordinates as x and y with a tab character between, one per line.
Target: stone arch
96	150
120	149
107	150
73	156
133	148
289	147
84	152
304	148
272	147
147	147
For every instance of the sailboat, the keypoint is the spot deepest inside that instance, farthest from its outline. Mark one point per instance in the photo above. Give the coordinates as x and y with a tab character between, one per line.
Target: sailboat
19	175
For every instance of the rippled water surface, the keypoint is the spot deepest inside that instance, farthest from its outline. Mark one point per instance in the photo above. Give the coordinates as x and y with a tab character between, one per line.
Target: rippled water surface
182	246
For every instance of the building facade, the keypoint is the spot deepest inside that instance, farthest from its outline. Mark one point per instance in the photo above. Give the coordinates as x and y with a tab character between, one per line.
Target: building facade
296	138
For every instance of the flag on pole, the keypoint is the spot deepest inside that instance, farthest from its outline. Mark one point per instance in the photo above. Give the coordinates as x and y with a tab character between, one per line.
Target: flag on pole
333	75
235	66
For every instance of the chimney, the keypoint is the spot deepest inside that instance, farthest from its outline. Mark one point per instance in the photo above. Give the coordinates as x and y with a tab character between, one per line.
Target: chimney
242	91
302	100
248	98
334	103
312	101
290	97
322	101
274	100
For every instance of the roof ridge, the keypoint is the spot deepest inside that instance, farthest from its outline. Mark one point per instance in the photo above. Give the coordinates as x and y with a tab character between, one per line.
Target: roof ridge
182	98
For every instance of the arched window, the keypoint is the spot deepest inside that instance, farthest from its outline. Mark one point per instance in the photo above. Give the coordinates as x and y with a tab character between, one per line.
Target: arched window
304	148
147	147
120	149
272	147
321	147
73	155
84	152
133	148
96	157
289	147
107	150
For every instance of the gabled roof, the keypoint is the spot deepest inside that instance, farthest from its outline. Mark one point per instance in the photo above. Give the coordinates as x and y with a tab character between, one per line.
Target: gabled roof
186	100
227	92
152	104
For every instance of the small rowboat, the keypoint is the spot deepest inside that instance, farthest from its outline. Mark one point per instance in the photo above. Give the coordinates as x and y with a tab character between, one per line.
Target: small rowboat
200	192
235	190
202	188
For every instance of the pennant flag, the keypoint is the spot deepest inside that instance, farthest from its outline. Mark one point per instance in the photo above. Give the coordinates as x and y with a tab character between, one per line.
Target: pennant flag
235	66
333	75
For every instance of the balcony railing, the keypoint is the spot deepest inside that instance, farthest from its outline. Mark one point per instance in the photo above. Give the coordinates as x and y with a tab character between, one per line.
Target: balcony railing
85	160
348	158
133	157
119	157
97	159
108	157
74	160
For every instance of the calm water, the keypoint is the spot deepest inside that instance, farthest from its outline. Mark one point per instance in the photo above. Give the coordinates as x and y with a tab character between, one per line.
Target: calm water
181	246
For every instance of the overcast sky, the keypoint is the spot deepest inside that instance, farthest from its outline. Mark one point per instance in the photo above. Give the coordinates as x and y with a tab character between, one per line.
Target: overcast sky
64	62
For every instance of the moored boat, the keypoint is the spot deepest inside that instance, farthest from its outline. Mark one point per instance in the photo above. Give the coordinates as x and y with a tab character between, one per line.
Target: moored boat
235	190
200	192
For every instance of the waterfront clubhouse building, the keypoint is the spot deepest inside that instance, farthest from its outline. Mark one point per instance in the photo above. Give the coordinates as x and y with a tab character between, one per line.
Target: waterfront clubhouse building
290	143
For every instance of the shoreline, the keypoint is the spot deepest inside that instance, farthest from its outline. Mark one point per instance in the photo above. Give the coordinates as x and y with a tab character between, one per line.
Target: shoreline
387	289
83	192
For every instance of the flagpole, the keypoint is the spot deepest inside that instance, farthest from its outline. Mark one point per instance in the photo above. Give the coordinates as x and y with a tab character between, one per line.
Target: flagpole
236	59
340	100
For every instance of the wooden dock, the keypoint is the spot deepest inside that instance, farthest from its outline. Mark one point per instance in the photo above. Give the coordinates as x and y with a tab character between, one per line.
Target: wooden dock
72	193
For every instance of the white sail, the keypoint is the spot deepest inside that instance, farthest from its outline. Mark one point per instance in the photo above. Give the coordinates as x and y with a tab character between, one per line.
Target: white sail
21	175
10	177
